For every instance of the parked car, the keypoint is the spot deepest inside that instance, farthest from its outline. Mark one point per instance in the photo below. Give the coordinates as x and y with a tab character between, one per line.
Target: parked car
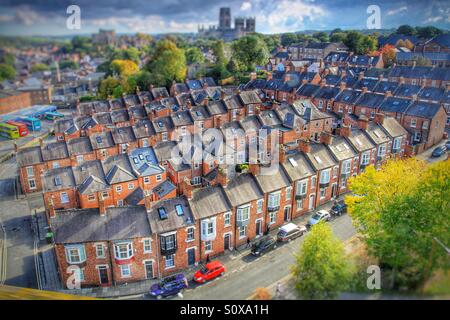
263	245
439	151
447	144
209	271
169	286
338	208
321	215
290	231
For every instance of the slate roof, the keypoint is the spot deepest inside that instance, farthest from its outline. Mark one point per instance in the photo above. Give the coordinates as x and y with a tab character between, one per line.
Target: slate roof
181	88
327	92
135	197
173	221
89	177
394	128
119	115
54	151
87	225
101	140
61	125
214	93
251	123
143	128
249	97
182	118
144	162
370	100
233	102
432	94
137	112
208	202
359	140
163	124
79	146
308	90
183	99
243	189
29	156
406	90
118	169
163	150
194	84
216	107
384	86
103	118
159	93
200	113
101	106
132	100
423	109
395	104
276	180
308	111
376	133
320	157
116	104
58	179
341	149
348	96
164	188
270	118
367	83
123	135
297	167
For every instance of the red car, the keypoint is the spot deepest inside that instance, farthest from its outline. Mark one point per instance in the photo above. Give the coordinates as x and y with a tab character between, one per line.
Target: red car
209	271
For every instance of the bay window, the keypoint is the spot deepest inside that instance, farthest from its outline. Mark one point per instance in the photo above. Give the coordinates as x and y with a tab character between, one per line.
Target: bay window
123	250
274	201
75	254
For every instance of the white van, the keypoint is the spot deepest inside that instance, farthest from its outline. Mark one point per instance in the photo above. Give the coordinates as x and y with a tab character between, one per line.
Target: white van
290	231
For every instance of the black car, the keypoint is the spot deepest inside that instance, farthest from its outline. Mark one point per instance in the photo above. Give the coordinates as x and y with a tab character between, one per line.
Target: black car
439	151
339	208
263	245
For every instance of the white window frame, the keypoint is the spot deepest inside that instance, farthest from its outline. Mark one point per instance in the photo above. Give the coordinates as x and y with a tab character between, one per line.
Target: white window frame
190	231
123	272
30	171
288	193
302	187
99	250
243	213
81	253
123	255
147	245
259	205
65	196
227	219
167	260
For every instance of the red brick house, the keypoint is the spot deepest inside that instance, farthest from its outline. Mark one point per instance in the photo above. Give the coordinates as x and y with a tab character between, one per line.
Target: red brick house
103	145
80	150
31	168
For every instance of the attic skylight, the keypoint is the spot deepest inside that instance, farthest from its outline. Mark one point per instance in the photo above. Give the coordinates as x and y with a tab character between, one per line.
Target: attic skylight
293	162
318	159
179	210
57	181
162	213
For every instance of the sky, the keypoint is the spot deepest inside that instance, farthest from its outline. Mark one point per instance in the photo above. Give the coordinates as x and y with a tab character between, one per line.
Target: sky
48	17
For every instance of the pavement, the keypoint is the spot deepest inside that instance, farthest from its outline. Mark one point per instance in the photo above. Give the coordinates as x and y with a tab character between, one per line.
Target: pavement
426	155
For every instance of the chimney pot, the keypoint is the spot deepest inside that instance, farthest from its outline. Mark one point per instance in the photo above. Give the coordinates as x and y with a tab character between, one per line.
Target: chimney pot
304	146
326	138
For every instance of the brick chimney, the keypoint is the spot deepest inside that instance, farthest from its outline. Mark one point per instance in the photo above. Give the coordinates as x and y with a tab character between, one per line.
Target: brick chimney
188	104
342	86
388	93
326	138
344	131
41	143
363	123
205	101
254	168
282	154
253	76
51	208
304	146
222	176
101	205
269	76
401	80
187	188
364	89
379	118
361	75
222	94
147	201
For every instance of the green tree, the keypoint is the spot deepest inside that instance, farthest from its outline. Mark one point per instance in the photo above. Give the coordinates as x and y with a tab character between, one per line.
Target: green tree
428	32
143	80
194	55
338	37
250	51
359	43
288	38
69	64
168	64
131	53
272	41
399	210
322	269
107	87
321	36
7	72
406	30
39	67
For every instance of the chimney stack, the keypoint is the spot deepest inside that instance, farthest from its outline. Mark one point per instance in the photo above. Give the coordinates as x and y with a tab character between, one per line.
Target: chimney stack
364	89
282	154
379	118
101	205
222	176
344	131
363	123
147	201
254	168
342	86
304	146
51	208
326	138
253	76
388	93
361	75
41	143
205	101
269	76
187	188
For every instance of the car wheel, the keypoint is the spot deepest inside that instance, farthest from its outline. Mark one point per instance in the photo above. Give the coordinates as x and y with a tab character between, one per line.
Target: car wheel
159	297
222	273
204	281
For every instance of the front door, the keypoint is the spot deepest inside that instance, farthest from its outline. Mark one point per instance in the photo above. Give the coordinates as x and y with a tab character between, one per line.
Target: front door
333	190
103	272
287	213
311	202
149	270
258	227
227	241
191	256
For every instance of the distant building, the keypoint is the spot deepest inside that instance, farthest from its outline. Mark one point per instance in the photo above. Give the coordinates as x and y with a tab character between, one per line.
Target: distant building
11	100
242	27
104	37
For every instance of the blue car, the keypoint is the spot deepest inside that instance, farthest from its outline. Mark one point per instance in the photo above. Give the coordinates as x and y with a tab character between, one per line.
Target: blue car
320	215
169	286
439	151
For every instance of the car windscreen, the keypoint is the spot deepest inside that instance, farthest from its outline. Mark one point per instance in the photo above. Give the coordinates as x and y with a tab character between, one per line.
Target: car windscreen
203	270
282	233
316	217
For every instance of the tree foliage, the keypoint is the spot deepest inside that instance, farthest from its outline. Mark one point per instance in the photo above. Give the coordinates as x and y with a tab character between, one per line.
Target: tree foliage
39	67
250	51
388	54
322	269
194	55
123	68
359	43
406	30
399	210
7	72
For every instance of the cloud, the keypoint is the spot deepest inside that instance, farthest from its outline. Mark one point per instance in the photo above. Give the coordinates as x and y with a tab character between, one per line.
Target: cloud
246	6
396	11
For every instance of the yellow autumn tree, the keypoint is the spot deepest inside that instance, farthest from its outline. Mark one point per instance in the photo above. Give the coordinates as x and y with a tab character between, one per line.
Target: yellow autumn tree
400	210
124	68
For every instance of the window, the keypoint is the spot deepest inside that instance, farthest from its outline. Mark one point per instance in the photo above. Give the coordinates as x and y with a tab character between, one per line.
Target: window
325	176
382	150
118	188
346	167
168	242
313	182
123	250
322	193
99	250
32	184
335	171
75	254
343	183
55	165
80	158
196	165
105	195
80	272
288	193
146	180
130	186
170	261
243	214
413	123
147	245
302	186
30	172
125	271
227	219
274	200
120	203
365	158
242	231
158	177
425	125
164	136
208	246
259	205
64	197
273	217
299	204
397	143
91	197
190	234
